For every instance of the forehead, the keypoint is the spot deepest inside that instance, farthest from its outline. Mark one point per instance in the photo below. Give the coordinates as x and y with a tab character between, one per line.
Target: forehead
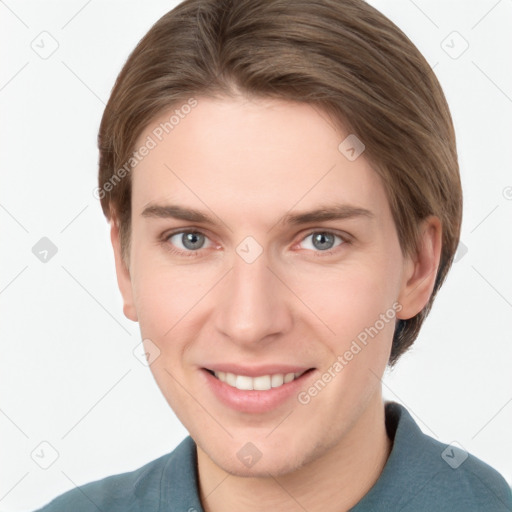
250	156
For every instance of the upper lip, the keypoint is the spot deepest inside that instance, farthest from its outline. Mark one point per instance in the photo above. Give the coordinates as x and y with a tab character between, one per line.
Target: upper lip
256	371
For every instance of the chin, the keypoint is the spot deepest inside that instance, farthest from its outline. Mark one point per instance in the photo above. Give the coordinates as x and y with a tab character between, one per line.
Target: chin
281	466
269	458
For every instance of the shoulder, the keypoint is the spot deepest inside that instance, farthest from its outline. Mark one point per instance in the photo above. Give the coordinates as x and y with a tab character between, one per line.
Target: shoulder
131	491
463	481
446	477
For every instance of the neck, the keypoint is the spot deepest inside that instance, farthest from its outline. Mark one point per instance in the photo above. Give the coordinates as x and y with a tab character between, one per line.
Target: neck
334	482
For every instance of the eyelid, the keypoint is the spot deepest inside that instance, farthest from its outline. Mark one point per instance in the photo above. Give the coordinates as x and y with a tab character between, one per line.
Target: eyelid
178	231
342	234
186	229
345	237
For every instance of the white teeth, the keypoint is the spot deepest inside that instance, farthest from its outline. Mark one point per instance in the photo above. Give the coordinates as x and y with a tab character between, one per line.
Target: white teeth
277	380
243	382
260	383
230	379
289	377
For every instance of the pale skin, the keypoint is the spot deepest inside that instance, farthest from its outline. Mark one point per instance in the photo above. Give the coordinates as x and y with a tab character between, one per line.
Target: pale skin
247	164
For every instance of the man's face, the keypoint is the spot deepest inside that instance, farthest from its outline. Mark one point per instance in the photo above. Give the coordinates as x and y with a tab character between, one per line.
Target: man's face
253	295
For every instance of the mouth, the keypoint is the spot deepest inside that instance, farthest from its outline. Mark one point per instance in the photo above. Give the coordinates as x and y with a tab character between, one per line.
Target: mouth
259	382
256	390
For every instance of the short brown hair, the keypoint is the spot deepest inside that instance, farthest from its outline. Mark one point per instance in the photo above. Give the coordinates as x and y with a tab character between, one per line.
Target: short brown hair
342	56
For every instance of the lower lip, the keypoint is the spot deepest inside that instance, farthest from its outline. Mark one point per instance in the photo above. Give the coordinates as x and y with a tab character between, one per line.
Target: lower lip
253	401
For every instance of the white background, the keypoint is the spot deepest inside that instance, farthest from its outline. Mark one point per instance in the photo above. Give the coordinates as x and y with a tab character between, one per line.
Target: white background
68	375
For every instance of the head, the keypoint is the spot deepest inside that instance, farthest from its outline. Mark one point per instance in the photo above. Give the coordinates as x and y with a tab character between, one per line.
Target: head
254	113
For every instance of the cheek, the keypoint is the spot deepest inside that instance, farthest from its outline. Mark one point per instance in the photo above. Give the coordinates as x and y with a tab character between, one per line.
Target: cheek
162	298
347	299
160	292
362	317
165	300
168	299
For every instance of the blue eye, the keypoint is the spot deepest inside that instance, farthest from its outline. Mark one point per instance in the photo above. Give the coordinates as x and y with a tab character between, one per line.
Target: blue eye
323	240
191	241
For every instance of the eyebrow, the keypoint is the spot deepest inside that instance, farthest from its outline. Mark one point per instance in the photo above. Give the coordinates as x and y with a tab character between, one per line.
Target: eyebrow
328	212
323	213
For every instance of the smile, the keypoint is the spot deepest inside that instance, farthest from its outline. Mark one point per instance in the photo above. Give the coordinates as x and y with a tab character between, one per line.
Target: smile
259	383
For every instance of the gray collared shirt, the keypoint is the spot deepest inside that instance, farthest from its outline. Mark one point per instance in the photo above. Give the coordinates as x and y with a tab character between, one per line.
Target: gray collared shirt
420	475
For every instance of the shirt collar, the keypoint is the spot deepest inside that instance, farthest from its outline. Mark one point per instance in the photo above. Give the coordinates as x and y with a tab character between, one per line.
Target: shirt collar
180	476
407	469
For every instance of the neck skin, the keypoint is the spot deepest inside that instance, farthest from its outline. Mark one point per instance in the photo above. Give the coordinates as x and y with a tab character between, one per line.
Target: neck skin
334	482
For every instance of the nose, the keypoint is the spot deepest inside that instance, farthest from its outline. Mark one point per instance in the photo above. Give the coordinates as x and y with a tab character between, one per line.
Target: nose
253	305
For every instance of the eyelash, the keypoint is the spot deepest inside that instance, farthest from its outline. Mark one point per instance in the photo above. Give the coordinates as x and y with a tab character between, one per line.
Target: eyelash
192	254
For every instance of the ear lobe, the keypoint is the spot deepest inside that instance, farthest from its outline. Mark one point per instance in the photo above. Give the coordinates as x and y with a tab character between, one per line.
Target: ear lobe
420	273
123	274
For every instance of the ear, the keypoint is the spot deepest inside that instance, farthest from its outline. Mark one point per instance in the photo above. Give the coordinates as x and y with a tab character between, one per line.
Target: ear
123	274
420	272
